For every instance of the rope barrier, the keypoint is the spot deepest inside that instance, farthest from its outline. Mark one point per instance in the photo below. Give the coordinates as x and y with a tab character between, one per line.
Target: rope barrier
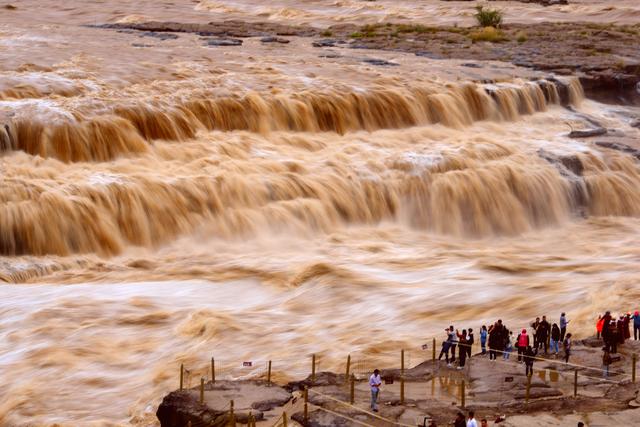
372	414
346	417
542	359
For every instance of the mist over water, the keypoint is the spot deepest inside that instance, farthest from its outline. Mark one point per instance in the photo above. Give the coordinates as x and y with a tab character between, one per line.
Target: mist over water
163	202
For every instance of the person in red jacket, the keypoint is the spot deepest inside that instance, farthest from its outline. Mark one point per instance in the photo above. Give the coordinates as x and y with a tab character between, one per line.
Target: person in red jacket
523	343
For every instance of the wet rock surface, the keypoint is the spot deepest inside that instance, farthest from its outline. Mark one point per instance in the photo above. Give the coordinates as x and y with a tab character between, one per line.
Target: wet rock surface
493	389
604	56
250	397
223	42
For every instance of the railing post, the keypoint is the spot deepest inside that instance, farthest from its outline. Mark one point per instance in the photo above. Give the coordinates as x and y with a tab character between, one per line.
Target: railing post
306	403
269	374
213	370
633	367
402	362
433	350
232	416
201	391
462	394
284	419
181	376
313	367
526	396
346	376
352	394
402	390
575	383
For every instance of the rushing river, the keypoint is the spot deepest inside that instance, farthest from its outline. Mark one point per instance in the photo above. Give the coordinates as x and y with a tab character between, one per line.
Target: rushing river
163	202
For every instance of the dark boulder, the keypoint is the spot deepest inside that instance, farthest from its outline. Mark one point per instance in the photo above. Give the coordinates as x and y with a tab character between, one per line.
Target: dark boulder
270	39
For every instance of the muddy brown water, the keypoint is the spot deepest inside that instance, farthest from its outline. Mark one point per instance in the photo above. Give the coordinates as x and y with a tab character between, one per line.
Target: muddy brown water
164	201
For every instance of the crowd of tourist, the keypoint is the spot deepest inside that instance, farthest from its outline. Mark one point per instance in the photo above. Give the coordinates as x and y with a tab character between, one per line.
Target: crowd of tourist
501	342
552	338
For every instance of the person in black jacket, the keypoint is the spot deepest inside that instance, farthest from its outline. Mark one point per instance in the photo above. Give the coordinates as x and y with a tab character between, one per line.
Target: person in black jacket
496	339
462	347
529	357
556	338
543	334
470	341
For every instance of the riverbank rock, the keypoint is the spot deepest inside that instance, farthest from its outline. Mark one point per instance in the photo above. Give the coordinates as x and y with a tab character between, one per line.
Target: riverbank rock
250	397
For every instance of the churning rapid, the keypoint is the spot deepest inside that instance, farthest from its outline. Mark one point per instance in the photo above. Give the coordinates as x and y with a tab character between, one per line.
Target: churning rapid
163	201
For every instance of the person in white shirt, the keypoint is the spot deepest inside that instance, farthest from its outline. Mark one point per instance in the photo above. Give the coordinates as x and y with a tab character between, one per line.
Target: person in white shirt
375	382
471	422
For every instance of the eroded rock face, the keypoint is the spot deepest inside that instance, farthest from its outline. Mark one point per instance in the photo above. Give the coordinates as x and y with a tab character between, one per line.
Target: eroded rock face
181	407
253	397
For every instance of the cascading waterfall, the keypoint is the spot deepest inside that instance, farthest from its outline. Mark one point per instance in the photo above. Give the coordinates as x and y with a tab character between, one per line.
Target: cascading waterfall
491	191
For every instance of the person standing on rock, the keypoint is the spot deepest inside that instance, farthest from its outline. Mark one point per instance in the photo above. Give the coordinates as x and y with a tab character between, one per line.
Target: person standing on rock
556	338
460	421
470	341
627	324
471	422
534	326
445	351
606	329
508	346
599	325
620	327
462	346
563	326
636	325
612	333
567	348
523	343
496	339
529	357
452	343
375	382
542	334
483	339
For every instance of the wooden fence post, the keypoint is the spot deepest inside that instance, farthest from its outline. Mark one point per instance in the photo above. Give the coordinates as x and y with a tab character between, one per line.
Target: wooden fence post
232	416
575	383
306	403
284	419
201	391
352	398
528	388
462	394
269	374
402	377
213	370
633	367
346	376
313	367
433	350
181	376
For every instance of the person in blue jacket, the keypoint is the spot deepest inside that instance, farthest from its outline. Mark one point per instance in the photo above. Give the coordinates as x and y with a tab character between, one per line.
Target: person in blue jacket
636	325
